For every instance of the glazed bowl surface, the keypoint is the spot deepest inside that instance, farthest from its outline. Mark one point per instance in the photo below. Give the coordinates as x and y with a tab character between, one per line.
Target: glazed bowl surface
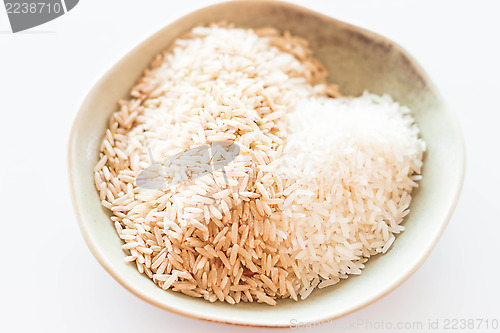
357	60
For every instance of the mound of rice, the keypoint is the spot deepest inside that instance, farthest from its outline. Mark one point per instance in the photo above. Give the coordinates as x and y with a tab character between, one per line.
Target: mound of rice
348	166
319	184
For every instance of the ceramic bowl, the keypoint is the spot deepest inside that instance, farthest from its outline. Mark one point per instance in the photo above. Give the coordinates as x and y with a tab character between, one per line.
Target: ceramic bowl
356	59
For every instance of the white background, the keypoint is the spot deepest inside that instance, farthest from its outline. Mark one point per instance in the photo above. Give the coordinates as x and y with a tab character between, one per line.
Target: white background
50	282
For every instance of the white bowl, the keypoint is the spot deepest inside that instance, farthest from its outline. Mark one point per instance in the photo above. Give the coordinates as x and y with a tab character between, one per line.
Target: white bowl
357	60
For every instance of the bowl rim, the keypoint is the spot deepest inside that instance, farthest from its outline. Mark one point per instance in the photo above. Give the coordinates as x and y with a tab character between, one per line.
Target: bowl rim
80	215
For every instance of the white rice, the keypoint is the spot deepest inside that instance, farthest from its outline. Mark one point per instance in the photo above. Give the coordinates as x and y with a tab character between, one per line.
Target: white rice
349	161
319	184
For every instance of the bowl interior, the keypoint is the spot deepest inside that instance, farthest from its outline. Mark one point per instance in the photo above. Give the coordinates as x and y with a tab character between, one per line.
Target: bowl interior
357	60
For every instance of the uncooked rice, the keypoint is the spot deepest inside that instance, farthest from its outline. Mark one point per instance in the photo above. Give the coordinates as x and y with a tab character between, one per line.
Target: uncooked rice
320	184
